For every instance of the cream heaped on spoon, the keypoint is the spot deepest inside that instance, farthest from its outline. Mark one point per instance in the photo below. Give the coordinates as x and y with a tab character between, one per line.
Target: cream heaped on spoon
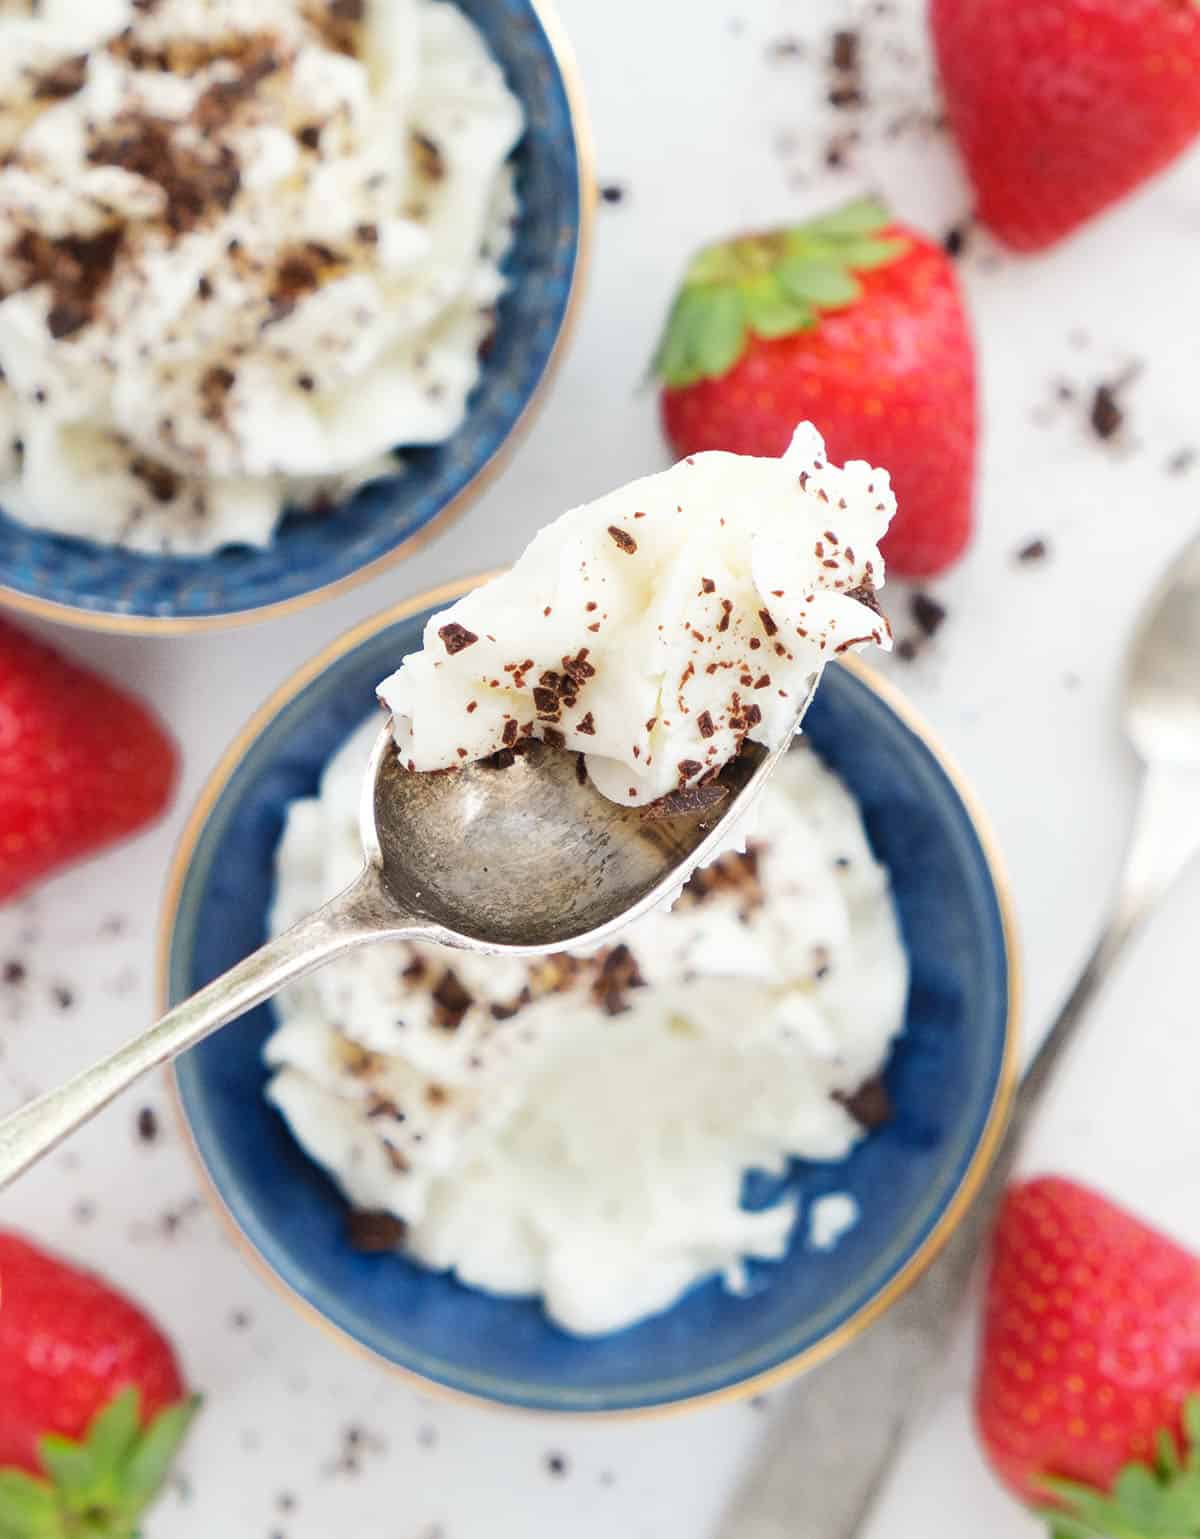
659	628
533	860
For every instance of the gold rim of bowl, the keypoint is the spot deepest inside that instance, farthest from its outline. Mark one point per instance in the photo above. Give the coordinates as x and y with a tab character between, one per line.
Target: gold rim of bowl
821	1350
184	625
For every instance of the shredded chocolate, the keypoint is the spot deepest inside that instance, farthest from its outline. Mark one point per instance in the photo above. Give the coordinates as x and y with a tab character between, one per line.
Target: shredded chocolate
688	799
768	624
77	269
64	79
733	874
451	1001
195	183
374	1233
1036	550
456	637
704	723
553	738
867	594
617	973
428	158
622	540
870	1105
587	725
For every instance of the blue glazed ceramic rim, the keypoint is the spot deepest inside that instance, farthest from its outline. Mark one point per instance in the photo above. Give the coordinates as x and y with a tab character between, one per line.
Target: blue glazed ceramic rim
103	612
790	1354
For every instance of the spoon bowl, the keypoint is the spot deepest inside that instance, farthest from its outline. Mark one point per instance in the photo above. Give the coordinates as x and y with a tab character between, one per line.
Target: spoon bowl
528	856
1162	678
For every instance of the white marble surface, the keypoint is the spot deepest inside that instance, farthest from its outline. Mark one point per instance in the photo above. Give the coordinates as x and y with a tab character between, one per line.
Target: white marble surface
710	129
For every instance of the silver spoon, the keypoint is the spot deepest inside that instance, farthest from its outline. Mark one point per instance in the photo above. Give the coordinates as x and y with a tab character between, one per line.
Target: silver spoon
815	1481
524	860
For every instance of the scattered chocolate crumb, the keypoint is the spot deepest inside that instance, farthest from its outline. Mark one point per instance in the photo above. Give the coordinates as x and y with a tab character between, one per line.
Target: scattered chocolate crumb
768	624
704	723
927	613
553	738
907	650
1107	415
240	1320
147	1125
63	997
613	193
84	1211
707	585
374	1234
869	1105
785	50
456	638
622	539
587	725
844	52
15	972
310	136
954	242
688	799
581	775
1181	461
1036	550
556	1464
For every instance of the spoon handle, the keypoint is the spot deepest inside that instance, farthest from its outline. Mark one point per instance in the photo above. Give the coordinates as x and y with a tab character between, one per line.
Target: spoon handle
359	915
811	1484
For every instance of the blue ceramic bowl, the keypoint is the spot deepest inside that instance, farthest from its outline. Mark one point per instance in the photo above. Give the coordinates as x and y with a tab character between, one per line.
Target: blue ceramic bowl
950	1076
106	588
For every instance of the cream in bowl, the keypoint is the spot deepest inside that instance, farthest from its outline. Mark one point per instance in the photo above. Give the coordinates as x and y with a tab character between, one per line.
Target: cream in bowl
246	248
579	1128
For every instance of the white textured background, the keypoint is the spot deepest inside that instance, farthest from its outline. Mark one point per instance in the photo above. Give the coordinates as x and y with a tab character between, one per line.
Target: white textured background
709	126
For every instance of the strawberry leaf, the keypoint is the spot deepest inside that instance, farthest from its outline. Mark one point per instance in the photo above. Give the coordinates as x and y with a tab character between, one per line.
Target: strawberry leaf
115	1429
1166	1454
820	283
861	218
770	312
770	286
866	255
99	1487
27	1507
147	1467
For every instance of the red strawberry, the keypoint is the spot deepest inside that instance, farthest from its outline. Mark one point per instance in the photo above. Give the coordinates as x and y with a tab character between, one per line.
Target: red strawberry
855	323
81	762
1060	109
1088	1393
92	1405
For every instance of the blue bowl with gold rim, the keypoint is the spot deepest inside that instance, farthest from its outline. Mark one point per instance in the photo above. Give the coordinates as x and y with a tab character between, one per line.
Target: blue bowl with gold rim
103	587
949	1077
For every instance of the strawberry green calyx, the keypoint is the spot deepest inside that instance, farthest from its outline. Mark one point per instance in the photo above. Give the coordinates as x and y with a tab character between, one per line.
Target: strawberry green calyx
770	286
1148	1501
99	1487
